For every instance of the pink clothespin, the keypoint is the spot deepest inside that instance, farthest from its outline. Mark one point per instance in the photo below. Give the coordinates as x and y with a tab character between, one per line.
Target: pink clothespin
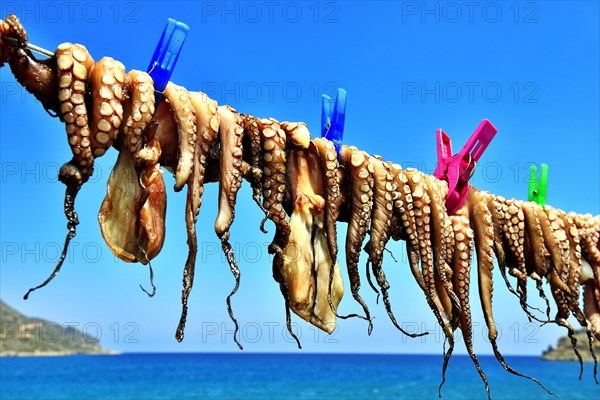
457	170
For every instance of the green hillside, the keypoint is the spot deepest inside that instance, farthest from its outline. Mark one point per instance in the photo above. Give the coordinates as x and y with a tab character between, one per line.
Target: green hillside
21	335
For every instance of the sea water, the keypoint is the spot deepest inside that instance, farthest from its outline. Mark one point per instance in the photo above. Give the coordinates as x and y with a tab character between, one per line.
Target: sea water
283	376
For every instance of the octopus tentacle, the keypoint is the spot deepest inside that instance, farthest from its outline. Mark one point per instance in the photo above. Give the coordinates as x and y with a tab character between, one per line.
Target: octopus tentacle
436	295
107	79
589	230
421	201
138	112
355	163
331	182
273	142
558	246
464	235
537	249
252	141
180	102
361	169
207	131
591	308
575	268
73	221
403	209
481	223
514	235
383	189
496	207
230	133
73	64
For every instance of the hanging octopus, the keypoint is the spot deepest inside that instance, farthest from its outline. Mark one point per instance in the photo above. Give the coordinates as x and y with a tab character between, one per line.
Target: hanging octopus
305	188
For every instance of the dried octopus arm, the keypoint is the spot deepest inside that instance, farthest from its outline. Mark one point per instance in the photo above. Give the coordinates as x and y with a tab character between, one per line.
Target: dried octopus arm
589	228
333	200
495	205
230	134
379	232
461	264
573	281
107	80
138	112
563	312
421	201
436	294
481	223
273	143
252	142
404	210
207	130
441	277
73	65
361	193
514	236
557	243
535	249
297	134
439	220
443	240
591	308
180	102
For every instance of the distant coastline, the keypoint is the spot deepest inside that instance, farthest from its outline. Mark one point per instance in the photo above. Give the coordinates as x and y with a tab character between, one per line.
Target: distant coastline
22	336
564	350
57	353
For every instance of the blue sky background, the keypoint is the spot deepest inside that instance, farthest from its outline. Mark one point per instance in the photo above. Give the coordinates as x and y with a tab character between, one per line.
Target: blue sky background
532	68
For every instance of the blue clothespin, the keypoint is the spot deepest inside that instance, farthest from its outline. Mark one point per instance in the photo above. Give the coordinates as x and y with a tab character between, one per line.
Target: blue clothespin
538	188
333	117
166	54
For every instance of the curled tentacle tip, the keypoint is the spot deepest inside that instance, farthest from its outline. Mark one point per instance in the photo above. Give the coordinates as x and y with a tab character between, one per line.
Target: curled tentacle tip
262	225
147	292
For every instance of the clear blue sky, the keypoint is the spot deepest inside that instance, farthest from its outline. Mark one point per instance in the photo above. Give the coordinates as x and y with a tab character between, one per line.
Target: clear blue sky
532	68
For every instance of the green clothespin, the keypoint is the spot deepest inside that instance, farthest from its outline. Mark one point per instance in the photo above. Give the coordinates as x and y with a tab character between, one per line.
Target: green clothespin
538	188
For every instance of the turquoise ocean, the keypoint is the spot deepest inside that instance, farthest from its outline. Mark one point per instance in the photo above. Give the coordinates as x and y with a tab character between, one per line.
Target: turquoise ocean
283	376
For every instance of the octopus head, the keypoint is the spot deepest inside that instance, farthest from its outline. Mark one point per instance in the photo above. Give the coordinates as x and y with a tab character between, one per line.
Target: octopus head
307	265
